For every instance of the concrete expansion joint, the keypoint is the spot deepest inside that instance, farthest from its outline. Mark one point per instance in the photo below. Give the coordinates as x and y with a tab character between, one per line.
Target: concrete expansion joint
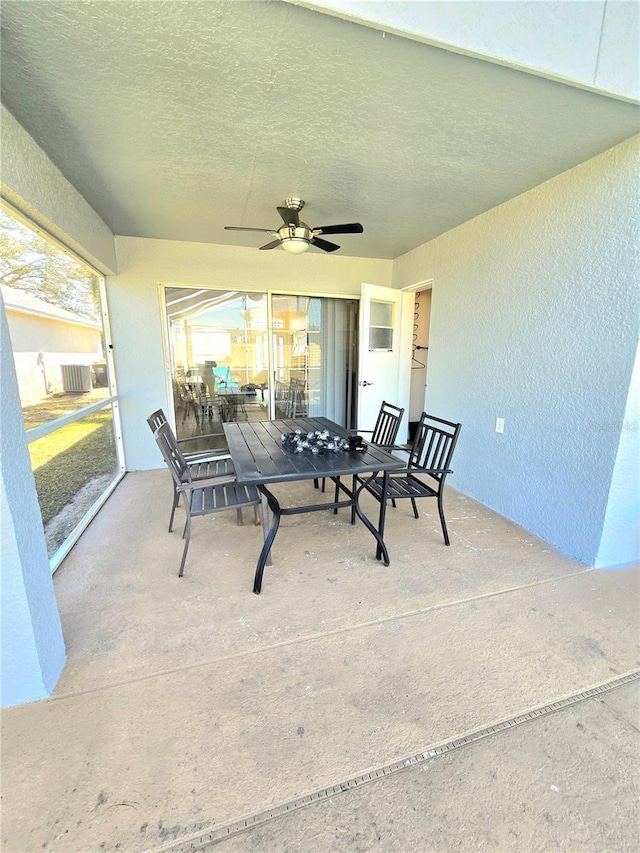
203	841
396	617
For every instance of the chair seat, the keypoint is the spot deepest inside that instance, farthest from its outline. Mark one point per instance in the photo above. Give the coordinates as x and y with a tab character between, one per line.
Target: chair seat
401	487
224	497
205	481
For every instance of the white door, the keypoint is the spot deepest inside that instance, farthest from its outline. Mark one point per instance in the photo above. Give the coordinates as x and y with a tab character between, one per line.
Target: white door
384	353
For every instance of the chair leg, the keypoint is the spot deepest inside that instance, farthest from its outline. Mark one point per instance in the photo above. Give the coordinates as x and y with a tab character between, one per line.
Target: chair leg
416	514
323	483
239	519
316	483
256	515
187	536
442	521
176	500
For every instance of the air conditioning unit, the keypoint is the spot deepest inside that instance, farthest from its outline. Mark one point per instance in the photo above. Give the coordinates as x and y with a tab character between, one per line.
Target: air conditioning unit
76	377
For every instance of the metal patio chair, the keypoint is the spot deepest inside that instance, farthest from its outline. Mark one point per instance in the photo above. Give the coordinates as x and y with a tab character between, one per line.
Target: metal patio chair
424	477
203	464
383	434
203	496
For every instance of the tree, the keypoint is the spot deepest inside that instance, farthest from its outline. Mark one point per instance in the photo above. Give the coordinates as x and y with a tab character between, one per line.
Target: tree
31	263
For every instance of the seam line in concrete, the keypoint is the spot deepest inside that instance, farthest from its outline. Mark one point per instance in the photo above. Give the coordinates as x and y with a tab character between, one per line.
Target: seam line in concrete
209	838
410	614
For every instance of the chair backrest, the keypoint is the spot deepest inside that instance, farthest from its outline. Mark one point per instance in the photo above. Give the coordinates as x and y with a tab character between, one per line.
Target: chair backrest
434	443
156	419
387	425
172	455
296	403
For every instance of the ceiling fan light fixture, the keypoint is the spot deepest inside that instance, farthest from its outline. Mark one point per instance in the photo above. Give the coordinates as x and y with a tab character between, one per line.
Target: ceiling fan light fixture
295	239
295	245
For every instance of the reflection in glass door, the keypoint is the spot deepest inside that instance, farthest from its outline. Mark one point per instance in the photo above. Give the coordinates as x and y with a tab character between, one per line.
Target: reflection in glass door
226	367
314	357
219	359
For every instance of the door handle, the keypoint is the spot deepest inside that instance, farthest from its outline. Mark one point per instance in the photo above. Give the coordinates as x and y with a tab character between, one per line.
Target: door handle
364	382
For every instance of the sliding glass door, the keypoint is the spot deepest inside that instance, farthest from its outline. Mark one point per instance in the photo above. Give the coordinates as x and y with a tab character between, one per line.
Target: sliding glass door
254	356
314	356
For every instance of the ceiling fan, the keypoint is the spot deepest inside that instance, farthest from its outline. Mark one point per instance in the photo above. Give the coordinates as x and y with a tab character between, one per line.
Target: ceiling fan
295	236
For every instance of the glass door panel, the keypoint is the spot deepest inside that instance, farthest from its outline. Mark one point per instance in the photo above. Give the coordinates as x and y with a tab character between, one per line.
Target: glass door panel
219	359
314	357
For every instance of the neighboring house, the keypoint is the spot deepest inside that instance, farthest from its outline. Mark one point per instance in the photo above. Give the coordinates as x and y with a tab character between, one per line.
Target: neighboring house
48	343
534	313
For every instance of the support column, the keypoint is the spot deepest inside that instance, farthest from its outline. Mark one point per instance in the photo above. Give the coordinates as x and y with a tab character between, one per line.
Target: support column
32	647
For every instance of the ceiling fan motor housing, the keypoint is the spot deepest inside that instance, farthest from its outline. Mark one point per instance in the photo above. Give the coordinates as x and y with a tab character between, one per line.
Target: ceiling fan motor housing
294	203
290	232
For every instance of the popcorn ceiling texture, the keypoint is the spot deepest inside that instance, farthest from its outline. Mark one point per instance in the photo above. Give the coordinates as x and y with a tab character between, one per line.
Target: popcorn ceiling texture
535	320
32	183
175	119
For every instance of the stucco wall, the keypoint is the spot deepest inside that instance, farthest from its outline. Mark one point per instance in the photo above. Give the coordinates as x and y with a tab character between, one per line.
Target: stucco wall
593	43
620	542
136	313
41	345
535	320
31	645
30	333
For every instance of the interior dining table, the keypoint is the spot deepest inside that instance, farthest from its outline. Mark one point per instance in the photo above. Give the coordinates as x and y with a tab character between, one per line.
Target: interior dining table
262	458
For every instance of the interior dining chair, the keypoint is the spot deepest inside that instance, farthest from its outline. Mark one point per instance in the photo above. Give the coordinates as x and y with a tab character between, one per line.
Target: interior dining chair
203	464
427	468
203	496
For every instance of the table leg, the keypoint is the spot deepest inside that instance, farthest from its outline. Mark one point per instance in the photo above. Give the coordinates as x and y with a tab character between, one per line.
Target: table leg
383	510
381	550
269	499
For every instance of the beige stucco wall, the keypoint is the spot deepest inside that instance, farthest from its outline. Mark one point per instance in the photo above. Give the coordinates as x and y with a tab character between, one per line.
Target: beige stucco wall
534	319
137	315
41	345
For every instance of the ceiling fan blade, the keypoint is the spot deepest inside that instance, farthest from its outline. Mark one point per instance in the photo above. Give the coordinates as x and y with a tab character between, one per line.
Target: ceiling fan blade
289	216
273	245
349	228
325	245
240	228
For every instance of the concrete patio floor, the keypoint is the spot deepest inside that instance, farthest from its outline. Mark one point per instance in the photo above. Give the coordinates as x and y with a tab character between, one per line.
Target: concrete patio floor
186	704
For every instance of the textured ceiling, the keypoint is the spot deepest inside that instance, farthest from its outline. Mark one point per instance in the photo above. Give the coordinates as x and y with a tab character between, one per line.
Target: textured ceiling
174	119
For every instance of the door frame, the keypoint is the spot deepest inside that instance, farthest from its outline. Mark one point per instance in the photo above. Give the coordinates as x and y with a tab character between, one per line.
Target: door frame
417	287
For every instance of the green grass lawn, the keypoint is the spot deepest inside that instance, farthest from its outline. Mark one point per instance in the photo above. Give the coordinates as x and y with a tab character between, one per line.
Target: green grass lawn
64	461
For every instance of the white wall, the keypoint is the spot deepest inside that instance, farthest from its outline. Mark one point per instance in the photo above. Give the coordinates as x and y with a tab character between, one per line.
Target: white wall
593	43
31	182
136	312
535	320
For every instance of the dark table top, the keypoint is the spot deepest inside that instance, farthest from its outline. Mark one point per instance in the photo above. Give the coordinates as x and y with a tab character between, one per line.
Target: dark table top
259	457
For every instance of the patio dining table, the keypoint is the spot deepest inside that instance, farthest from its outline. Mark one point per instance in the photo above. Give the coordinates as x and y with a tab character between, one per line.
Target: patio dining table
261	458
